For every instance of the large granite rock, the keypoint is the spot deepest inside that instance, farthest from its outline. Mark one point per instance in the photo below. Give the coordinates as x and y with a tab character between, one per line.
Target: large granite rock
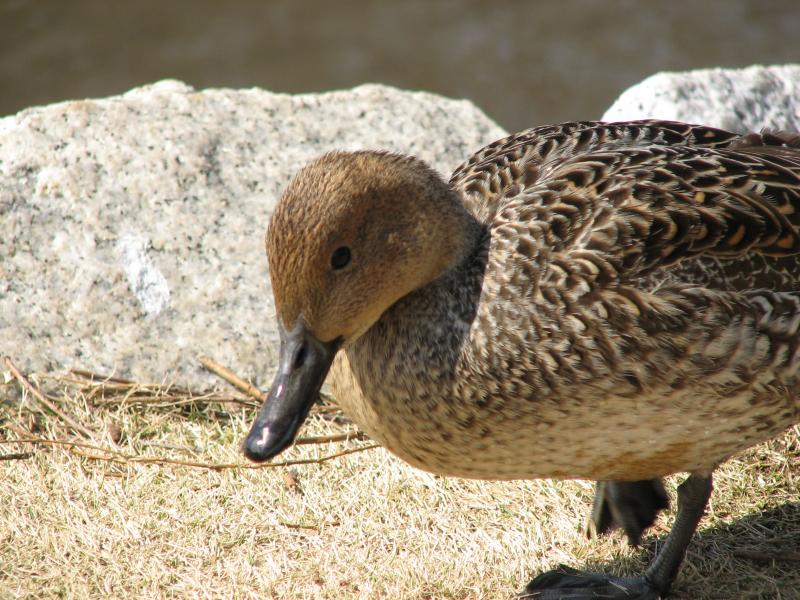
740	100
132	226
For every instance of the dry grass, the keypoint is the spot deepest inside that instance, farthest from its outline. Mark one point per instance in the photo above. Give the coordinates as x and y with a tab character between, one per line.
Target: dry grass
74	524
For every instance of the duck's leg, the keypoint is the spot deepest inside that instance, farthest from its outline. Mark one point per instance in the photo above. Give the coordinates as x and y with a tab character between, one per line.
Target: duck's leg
565	582
631	505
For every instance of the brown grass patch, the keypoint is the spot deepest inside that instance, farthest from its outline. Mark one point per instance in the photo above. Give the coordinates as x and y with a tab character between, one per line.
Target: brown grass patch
130	517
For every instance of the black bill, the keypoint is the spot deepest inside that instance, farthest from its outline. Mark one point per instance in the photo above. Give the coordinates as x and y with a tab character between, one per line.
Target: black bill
303	364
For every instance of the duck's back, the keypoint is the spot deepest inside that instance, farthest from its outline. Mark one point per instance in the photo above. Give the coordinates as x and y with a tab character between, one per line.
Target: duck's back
710	161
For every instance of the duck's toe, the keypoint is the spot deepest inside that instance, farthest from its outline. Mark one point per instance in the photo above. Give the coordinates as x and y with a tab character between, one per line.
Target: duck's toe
631	505
568	583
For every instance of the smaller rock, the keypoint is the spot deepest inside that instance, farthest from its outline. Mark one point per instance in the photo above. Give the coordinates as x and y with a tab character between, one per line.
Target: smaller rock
739	100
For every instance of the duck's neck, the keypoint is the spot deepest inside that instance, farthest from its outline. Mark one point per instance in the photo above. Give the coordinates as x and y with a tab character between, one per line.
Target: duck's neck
412	355
434	319
446	236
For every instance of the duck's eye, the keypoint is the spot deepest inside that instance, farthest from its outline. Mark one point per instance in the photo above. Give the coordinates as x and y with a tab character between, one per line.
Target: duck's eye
340	257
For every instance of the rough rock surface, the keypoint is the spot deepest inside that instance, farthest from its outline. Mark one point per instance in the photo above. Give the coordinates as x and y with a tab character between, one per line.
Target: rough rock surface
132	226
740	100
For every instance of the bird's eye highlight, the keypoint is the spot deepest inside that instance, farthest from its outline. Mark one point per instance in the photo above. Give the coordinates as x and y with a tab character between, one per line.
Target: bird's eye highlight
340	258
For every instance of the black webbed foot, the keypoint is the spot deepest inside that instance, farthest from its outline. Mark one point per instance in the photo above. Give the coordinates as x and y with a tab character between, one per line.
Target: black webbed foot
567	583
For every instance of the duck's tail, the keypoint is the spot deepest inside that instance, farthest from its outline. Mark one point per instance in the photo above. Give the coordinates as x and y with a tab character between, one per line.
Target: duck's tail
770	143
630	505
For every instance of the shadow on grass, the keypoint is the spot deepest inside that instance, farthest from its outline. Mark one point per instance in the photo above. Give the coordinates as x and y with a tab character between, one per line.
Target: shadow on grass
755	556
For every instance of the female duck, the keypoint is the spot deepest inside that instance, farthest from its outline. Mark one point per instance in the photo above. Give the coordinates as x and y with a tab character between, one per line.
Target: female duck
589	300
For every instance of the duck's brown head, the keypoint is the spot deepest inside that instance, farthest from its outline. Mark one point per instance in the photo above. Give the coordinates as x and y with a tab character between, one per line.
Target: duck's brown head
353	233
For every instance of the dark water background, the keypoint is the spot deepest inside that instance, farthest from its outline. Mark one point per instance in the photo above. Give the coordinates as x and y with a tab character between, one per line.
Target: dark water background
524	63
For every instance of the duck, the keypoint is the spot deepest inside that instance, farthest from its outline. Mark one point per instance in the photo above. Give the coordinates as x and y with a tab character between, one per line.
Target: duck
615	302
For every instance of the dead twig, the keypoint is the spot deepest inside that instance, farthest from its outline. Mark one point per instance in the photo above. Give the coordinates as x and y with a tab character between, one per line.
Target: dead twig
324	439
184	449
325	409
96	378
115	390
122	384
16	456
300	526
118	457
232	378
155	460
316	528
23	381
68	443
166	401
254	392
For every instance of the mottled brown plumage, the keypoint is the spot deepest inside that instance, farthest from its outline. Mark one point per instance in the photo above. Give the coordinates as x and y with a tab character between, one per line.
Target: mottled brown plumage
588	300
622	304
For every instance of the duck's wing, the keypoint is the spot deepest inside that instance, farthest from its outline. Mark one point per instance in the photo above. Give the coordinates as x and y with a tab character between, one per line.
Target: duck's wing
519	161
675	214
752	270
625	242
